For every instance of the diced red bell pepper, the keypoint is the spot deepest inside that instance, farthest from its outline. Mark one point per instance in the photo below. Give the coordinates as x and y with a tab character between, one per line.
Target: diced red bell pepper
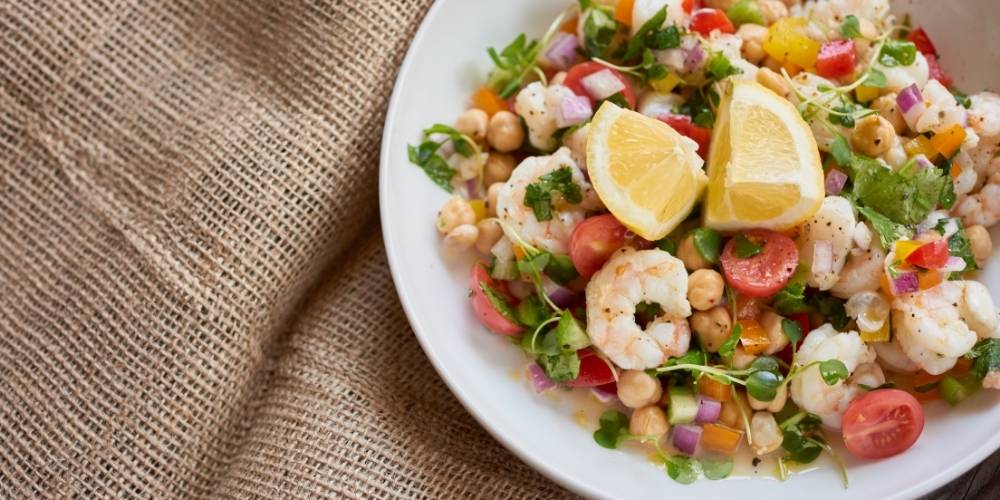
930	255
690	5
683	125
922	41
704	21
934	70
836	59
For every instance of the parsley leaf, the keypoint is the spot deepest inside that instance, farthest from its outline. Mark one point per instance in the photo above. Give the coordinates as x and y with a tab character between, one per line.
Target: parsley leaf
958	243
898	53
513	64
561	367
437	168
719	67
570	334
708	242
841	151
904	197
744	248
651	35
830	307
851	27
876	78
599	30
729	346
986	357
538	195
791	299
888	231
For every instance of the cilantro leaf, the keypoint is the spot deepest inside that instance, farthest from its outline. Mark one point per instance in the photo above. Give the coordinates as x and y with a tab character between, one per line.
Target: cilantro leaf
599	30
791	299
538	195
959	244
729	346
830	307
708	242
651	35
560	268
898	53
888	231
561	367
986	357
904	197
851	27
437	168
841	151
719	67
570	334
513	63
744	248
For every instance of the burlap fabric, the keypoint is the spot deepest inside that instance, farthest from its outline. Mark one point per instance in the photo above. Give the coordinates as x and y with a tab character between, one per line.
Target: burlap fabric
194	299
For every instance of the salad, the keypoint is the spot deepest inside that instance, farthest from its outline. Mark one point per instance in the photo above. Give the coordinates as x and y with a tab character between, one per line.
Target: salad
741	224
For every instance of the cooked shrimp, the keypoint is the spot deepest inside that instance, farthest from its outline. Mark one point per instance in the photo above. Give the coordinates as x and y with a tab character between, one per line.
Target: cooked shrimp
539	106
943	110
632	277
861	273
982	206
891	357
937	325
831	13
520	221
807	86
833	223
812	393
577	144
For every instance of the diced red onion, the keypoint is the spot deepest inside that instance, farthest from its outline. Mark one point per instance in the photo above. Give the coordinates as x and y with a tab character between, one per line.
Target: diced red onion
560	296
909	97
572	110
835	180
953	265
906	283
603	395
708	410
686	438
472	187
822	257
561	52
539	381
672	58
922	162
602	84
694	57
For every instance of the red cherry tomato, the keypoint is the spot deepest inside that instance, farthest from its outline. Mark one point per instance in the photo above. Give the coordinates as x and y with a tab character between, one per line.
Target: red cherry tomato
935	72
705	21
882	423
484	310
690	5
593	241
835	59
764	274
930	255
578	72
922	41
594	371
683	125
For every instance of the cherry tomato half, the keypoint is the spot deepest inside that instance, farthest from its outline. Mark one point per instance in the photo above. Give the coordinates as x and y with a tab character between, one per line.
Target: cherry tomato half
929	255
935	72
922	41
578	72
487	314
835	59
766	273
690	5
594	371
882	423
705	21
593	241
683	125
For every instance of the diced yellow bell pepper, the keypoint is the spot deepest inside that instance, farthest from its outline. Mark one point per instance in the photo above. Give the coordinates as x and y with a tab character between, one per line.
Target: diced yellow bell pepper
904	248
920	145
665	84
948	140
866	94
787	41
880	335
479	208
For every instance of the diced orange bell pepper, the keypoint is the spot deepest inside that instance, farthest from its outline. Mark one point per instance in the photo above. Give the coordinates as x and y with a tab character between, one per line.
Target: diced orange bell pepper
747	307
956	170
487	100
787	41
754	338
920	145
715	437
623	12
926	396
948	140
962	367
569	26
714	389
929	279
922	380
519	253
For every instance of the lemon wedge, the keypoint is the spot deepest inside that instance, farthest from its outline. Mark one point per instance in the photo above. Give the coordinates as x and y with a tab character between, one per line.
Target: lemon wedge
648	175
764	169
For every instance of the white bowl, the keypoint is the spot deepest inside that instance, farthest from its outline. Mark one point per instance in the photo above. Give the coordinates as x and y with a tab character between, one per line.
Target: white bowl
445	63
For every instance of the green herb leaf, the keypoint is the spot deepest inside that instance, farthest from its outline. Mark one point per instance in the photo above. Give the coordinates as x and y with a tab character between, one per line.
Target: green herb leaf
498	302
613	429
513	63
530	311
599	30
763	385
959	244
570	334
766	364
986	357
652	35
437	169
876	78
561	367
898	53
791	299
538	195
719	67
830	307
791	329
887	385
888	231
801	437
716	469
682	469
708	242
744	248
667	245
962	99
561	269
833	371
841	151
729	346
904	197
851	27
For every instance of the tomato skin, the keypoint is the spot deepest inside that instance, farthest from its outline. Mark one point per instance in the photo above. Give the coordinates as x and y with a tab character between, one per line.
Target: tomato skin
935	72
835	59
593	241
882	423
484	310
594	371
930	255
922	41
704	21
690	5
683	125
579	71
766	273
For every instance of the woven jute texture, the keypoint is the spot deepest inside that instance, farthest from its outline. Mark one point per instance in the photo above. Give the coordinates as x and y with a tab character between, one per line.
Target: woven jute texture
194	299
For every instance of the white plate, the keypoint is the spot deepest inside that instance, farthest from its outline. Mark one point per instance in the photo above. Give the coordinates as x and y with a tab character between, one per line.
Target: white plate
446	62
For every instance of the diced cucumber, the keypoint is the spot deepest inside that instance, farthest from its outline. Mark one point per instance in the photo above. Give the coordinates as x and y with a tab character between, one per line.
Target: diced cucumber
955	390
682	407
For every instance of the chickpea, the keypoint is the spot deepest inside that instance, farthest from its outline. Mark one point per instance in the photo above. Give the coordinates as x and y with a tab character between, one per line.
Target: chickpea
455	212
872	135
772	10
775	405
742	359
491	198
771	323
637	388
888	109
473	123
766	433
792	3
753	36
705	287
505	132
772	80
498	168
648	421
979	240
867	28
462	237
688	254
712	327
489	234
772	64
